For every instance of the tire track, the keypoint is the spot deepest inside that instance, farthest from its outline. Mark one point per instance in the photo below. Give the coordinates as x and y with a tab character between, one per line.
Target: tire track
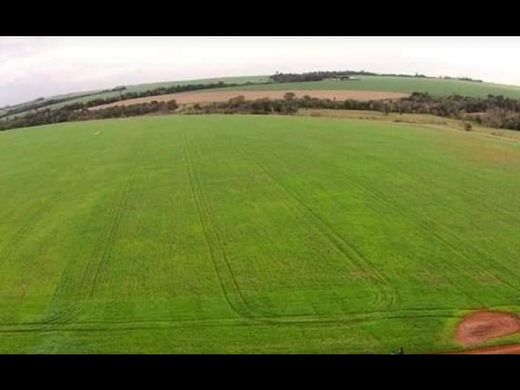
86	287
84	290
295	320
389	296
428	231
384	203
243	310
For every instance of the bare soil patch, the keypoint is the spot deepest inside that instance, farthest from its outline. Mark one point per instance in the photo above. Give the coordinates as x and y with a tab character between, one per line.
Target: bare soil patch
482	326
224	96
500	350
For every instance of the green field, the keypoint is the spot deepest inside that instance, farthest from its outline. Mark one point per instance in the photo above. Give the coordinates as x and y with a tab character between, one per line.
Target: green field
250	234
365	83
165	84
399	84
139	88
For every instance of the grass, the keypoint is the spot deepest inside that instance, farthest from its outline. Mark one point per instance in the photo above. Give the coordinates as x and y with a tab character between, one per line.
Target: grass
150	86
426	120
249	234
399	84
365	83
136	88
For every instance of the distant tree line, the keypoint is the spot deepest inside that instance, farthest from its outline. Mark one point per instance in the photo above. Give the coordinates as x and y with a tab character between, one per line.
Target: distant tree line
239	105
151	92
462	79
491	111
322	75
69	114
316	76
41	103
347	74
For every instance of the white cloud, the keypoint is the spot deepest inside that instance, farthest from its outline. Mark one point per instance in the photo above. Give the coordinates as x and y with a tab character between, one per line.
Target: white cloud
32	67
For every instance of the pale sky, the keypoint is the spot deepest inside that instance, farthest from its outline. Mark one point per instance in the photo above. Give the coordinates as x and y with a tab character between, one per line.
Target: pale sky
46	66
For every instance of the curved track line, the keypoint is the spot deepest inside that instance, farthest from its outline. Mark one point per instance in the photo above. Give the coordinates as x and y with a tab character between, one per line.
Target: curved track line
390	295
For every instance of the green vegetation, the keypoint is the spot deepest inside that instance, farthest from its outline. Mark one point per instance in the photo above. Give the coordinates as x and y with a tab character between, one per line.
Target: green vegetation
252	234
118	93
434	86
140	88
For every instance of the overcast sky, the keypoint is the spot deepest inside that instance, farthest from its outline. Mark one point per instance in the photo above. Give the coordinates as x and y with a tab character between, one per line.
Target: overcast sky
44	66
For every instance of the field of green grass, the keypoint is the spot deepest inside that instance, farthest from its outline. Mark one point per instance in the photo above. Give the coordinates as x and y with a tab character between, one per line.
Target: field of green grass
399	84
365	83
252	234
141	88
165	84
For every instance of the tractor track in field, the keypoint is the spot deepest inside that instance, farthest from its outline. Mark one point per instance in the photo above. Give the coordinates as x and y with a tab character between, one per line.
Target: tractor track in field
98	257
426	229
449	233
390	295
286	320
91	272
206	223
64	319
385	204
423	225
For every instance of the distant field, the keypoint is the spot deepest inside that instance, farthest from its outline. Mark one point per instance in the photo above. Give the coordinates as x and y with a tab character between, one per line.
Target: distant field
149	86
219	95
146	87
240	234
381	87
381	84
401	84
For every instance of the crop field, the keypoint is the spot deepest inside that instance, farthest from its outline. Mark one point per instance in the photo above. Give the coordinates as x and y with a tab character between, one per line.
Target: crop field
219	95
400	84
150	86
253	234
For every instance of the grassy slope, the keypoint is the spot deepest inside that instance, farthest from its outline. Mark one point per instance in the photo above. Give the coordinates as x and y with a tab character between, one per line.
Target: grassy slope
149	86
252	234
401	84
145	87
368	83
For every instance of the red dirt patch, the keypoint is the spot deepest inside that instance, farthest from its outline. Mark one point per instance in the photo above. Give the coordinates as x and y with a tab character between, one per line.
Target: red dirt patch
500	350
482	326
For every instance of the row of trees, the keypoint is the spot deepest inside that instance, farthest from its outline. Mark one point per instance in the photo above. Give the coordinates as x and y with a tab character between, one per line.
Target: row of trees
239	105
42	103
150	92
462	79
66	114
318	76
492	111
322	75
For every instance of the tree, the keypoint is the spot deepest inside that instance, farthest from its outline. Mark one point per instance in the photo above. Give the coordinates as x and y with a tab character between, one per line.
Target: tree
237	100
172	105
289	96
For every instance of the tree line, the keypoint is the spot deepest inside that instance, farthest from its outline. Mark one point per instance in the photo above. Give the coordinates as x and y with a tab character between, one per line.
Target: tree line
491	111
347	74
67	114
42	103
